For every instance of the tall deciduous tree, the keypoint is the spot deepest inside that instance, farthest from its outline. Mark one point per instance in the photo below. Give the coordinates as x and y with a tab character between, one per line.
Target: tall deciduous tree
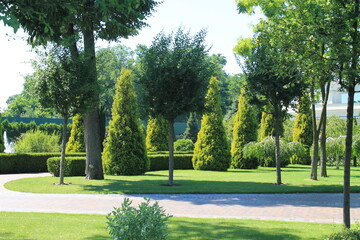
124	150
173	79
244	131
66	23
57	88
211	150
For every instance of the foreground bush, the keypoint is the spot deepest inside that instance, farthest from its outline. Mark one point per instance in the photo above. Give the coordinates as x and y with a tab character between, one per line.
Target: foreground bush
37	141
147	222
345	234
184	145
74	166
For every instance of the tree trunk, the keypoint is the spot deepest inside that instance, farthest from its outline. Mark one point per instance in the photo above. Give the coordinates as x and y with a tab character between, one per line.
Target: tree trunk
323	155
91	118
171	152
348	152
277	145
63	146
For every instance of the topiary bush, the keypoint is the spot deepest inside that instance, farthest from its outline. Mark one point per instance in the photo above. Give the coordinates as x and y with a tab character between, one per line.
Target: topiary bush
27	162
124	149
184	145
74	166
76	141
211	150
37	141
147	222
244	131
157	134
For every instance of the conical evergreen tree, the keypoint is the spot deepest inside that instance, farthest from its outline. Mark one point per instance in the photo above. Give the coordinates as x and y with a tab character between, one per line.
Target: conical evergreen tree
303	129
244	131
211	148
125	151
267	125
76	140
192	128
157	134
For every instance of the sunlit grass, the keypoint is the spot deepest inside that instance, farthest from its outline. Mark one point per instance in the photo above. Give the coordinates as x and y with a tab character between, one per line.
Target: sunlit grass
50	226
295	177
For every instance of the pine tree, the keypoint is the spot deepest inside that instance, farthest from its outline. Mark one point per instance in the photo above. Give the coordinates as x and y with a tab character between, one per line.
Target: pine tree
211	148
125	151
76	140
157	134
244	131
192	128
303	129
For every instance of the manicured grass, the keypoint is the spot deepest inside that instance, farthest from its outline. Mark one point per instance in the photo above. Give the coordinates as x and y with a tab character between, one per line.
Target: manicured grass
50	226
295	177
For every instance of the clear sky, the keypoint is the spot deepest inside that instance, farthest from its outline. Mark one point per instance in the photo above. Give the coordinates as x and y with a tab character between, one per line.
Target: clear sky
219	17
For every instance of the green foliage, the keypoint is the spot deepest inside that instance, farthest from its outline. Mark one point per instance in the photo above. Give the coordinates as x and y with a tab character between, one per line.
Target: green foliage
184	145
192	128
173	74
264	152
300	153
37	141
211	150
160	161
244	131
303	126
267	124
2	145
157	134
124	150
288	130
345	234
335	150
147	222
27	162
74	166
76	139
335	127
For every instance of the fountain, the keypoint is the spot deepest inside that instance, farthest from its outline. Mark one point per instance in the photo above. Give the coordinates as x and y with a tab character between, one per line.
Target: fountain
8	145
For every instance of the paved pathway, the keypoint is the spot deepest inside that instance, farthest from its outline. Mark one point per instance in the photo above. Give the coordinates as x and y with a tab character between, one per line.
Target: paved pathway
284	207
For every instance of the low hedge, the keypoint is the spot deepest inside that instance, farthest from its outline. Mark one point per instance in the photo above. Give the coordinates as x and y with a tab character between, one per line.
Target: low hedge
74	166
27	162
161	161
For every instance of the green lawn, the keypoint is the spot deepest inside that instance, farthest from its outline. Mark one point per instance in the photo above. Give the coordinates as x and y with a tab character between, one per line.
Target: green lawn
39	226
295	177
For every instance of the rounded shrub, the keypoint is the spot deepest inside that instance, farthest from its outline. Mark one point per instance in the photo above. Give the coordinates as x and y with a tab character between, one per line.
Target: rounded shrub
244	131
147	222
345	234
76	140
211	150
37	141
184	145
157	134
124	149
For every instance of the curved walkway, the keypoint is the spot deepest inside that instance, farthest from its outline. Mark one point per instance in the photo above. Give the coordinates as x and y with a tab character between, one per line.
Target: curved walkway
319	207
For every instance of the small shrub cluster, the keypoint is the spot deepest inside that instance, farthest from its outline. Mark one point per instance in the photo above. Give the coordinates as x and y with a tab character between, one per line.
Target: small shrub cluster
37	141
345	234
74	166
147	222
264	152
184	145
27	162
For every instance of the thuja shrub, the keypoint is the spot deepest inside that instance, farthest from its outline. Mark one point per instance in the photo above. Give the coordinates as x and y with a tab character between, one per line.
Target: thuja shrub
157	134
74	166
147	222
76	141
184	145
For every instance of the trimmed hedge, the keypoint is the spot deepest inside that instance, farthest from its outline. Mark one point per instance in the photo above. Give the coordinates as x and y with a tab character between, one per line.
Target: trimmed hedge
27	162
161	161
74	166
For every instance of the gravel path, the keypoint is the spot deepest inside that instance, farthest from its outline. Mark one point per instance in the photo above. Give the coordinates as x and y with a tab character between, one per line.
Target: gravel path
319	207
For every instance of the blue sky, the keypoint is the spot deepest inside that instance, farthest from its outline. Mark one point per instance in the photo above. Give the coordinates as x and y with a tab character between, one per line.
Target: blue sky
219	17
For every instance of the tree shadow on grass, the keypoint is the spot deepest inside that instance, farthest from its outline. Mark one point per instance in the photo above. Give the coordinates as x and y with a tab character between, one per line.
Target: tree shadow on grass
221	230
10	235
